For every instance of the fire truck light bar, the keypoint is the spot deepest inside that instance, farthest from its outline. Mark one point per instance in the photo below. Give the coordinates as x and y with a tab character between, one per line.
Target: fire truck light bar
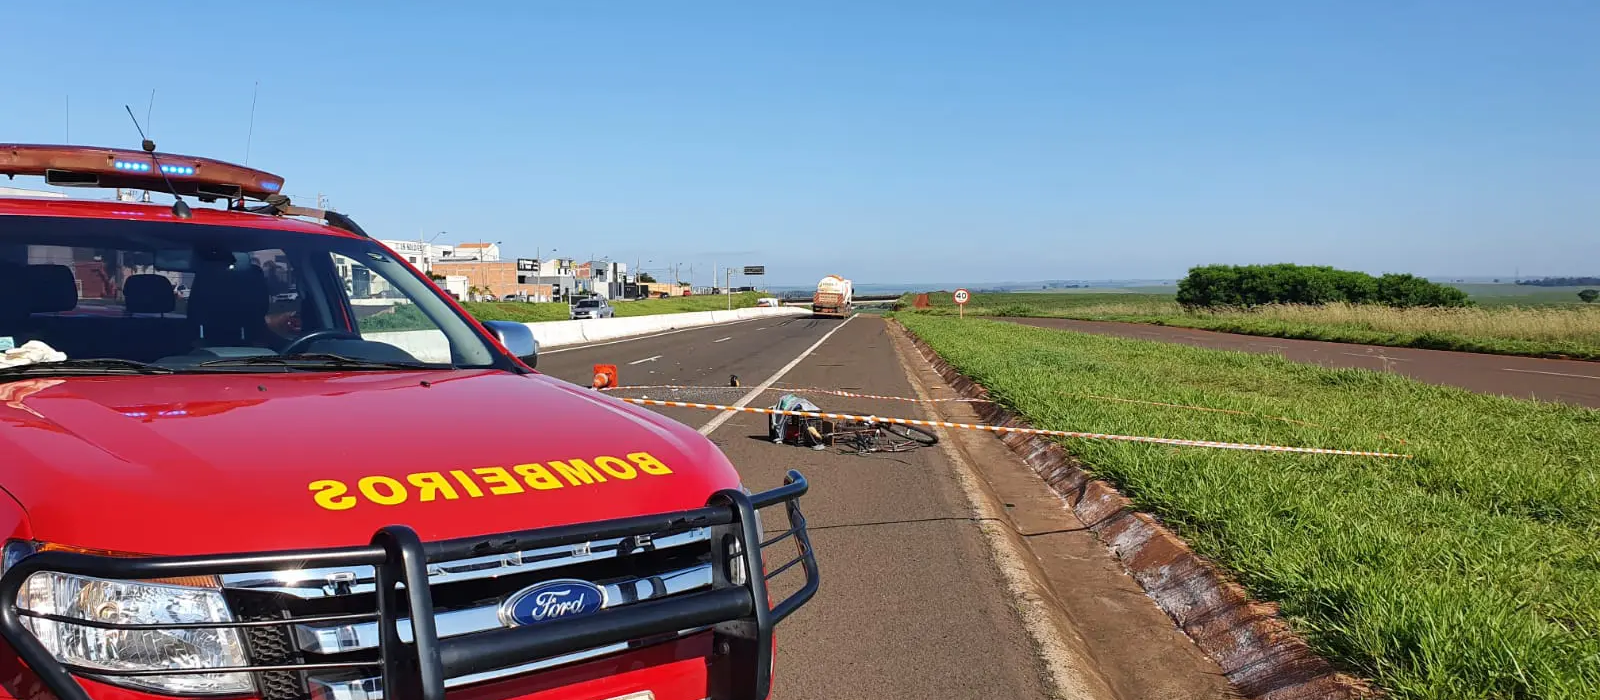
90	166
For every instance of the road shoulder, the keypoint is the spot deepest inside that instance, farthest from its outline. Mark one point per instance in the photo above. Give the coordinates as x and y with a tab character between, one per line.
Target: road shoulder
1097	633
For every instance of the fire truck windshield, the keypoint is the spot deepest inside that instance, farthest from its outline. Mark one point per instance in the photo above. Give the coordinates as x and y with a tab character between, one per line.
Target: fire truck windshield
199	297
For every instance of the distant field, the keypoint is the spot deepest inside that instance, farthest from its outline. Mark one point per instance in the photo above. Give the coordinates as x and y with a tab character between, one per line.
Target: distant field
1103	290
407	318
1470	571
1506	327
1065	303
1521	294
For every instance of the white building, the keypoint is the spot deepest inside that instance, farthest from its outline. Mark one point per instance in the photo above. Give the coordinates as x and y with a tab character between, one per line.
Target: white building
606	278
559	273
422	255
480	252
19	192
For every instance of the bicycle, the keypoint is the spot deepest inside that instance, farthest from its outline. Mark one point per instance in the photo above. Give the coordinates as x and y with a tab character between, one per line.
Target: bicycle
866	435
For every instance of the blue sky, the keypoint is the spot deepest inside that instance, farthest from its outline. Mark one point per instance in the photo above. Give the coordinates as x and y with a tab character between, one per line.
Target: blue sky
888	142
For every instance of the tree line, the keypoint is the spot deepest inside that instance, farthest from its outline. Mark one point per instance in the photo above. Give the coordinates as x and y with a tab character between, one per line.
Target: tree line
1256	285
1561	282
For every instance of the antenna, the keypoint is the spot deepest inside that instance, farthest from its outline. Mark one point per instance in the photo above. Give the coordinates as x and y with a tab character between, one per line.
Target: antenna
180	208
150	108
69	118
252	132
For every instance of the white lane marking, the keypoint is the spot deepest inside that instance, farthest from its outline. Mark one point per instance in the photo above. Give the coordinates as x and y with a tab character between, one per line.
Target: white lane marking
1553	374
1385	358
762	328
647	359
722	339
542	353
745	400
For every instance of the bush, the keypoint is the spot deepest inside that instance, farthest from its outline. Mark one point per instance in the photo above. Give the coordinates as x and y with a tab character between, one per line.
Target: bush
1258	285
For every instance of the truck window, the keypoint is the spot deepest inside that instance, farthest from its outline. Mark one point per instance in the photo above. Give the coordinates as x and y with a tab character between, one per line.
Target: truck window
385	313
179	295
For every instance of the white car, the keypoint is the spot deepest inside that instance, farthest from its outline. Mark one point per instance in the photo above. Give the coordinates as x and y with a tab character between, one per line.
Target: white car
768	301
593	307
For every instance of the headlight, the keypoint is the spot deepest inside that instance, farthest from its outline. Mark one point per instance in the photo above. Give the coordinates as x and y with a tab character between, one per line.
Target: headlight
137	603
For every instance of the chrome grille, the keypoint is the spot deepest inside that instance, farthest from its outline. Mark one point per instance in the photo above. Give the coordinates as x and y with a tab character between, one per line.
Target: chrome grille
467	594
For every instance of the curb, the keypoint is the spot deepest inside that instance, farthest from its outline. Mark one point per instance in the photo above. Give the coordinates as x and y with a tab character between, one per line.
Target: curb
1257	651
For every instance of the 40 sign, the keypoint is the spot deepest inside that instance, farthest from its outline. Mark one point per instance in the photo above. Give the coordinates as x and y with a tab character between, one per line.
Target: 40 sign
962	296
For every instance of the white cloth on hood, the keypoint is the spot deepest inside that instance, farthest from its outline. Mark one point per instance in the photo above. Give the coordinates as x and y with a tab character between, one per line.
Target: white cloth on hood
31	352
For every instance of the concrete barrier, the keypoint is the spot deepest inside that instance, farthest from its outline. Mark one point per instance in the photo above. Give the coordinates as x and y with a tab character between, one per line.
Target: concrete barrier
427	346
602	329
431	346
555	333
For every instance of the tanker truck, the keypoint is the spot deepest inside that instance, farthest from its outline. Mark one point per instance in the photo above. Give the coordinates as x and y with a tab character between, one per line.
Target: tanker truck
832	297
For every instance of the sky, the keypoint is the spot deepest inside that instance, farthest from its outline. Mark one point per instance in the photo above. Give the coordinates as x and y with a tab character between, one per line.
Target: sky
888	142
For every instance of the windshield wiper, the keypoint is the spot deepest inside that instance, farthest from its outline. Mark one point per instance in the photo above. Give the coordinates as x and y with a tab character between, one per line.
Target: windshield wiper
311	361
87	367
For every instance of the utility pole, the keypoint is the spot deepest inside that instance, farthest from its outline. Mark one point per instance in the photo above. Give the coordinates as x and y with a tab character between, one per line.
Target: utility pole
728	286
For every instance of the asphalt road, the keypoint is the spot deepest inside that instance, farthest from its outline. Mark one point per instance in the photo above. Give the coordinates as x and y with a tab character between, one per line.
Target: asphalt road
1567	381
911	606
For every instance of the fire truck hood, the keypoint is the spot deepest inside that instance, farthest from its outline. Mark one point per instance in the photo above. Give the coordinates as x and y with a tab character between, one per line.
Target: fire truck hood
214	463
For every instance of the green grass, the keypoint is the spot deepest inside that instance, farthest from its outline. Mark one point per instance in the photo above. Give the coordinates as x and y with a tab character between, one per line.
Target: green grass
676	305
1471	571
400	317
405	317
1540	330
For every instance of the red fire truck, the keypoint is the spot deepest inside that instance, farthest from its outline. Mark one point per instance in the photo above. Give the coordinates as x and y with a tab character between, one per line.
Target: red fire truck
257	488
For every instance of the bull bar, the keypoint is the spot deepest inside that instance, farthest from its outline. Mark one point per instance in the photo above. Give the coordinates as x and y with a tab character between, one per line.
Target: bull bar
739	615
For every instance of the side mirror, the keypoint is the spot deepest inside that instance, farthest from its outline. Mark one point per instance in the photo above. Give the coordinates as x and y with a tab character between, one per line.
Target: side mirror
517	338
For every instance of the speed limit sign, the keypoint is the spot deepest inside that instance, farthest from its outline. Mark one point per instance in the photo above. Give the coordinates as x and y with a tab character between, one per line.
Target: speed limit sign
962	296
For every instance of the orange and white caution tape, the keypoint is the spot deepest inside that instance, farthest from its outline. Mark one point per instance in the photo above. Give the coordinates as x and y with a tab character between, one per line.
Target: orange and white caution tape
794	390
1023	431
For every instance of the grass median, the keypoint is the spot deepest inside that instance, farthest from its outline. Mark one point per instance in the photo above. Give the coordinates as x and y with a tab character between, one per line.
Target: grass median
1470	571
1547	330
404	317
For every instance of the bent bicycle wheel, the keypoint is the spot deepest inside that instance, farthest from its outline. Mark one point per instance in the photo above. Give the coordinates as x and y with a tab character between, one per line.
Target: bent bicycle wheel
911	432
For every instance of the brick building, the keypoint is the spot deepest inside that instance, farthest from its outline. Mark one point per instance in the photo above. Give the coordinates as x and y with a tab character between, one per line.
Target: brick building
493	278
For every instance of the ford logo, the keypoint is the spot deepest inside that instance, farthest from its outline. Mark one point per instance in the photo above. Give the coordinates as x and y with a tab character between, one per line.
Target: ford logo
551	600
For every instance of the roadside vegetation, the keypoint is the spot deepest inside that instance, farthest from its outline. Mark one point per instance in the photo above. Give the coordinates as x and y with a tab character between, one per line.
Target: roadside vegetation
1470	571
1251	286
405	317
1500	327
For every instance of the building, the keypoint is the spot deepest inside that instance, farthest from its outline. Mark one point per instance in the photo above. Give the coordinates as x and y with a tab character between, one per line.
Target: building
19	192
557	273
493	279
480	251
421	255
664	289
607	278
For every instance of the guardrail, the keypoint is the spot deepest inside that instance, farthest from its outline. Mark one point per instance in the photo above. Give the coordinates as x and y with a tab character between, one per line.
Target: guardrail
431	346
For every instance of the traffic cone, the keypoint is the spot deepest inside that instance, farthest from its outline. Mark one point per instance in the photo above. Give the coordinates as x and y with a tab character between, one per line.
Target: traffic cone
605	377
